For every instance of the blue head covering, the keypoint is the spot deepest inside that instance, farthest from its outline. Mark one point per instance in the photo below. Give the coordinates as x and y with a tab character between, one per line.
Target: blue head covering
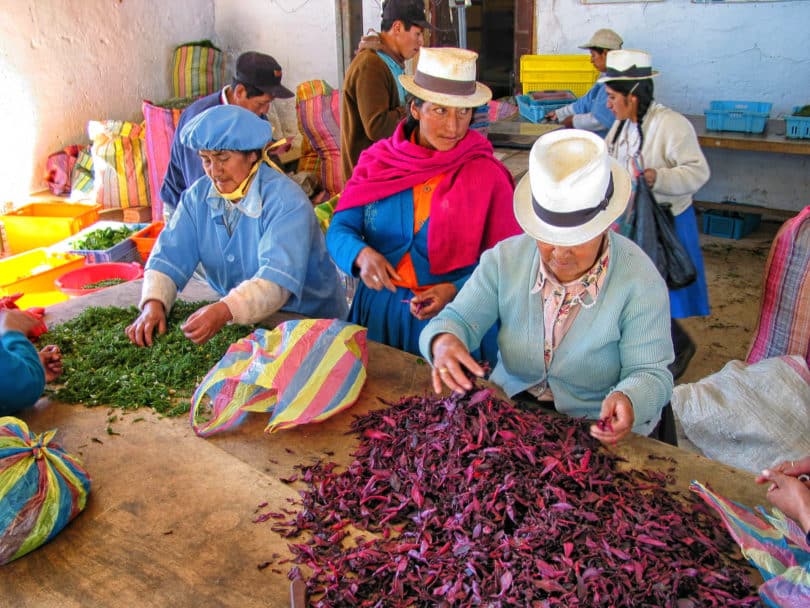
226	127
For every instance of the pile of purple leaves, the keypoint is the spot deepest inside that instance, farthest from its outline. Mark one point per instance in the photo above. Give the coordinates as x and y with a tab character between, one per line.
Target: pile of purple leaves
465	501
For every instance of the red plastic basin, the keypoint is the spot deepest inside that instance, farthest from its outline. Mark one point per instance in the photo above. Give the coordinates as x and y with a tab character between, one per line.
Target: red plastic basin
72	283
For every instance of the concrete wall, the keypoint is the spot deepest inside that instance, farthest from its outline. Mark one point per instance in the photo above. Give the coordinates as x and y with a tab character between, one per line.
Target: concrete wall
742	51
63	63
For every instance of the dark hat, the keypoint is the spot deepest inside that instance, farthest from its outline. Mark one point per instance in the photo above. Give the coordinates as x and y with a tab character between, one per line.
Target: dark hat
409	11
262	72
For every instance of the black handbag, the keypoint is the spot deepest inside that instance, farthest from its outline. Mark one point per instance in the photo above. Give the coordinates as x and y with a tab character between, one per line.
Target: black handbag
653	229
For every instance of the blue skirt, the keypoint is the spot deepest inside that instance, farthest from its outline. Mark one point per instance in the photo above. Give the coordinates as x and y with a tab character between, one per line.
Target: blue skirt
693	300
389	321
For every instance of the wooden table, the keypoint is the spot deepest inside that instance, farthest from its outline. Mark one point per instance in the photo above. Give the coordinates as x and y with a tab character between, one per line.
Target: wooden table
170	517
771	140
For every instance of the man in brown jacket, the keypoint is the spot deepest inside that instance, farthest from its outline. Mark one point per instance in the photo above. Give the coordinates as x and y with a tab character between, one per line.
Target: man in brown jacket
373	101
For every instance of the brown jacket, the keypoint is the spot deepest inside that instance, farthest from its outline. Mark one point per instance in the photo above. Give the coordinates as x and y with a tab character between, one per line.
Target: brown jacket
369	107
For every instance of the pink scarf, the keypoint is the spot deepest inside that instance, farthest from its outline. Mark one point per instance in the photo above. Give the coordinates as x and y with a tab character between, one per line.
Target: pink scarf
471	208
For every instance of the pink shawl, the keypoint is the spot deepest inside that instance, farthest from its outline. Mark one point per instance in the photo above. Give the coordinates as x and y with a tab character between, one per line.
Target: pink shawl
471	208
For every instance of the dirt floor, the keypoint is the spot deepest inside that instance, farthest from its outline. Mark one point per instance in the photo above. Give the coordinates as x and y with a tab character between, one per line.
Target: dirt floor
734	275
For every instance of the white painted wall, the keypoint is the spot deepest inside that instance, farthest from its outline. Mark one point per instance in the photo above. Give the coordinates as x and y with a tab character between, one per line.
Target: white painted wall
64	62
746	51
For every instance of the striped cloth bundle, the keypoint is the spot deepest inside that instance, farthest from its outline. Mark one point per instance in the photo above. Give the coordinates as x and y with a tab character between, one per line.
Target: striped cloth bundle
302	371
318	107
784	316
775	545
198	68
81	178
119	164
42	488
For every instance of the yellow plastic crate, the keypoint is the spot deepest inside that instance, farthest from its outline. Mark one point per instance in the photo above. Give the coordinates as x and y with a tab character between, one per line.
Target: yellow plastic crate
34	272
42	224
544	72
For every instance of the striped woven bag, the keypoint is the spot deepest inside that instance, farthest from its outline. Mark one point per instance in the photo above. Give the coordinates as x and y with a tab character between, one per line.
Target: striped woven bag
198	68
42	488
120	178
318	108
302	371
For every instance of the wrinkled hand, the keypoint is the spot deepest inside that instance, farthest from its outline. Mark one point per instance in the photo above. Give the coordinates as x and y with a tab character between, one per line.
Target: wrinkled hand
430	302
205	322
794	468
375	271
618	410
450	358
18	320
789	495
152	317
51	359
649	176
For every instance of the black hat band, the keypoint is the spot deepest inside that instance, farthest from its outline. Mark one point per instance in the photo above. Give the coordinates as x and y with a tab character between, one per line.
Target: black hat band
632	72
445	86
573	218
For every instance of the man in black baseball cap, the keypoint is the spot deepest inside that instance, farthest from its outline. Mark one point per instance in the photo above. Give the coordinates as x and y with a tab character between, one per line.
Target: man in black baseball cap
256	83
373	101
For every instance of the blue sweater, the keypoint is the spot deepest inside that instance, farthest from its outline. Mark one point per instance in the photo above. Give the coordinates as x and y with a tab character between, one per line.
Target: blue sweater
622	343
22	377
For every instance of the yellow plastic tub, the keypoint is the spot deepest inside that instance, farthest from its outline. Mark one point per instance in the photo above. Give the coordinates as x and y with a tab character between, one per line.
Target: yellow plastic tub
566	72
42	224
33	273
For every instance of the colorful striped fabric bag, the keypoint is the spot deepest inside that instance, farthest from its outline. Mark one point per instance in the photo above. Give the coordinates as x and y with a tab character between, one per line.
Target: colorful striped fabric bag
81	178
198	68
784	316
160	122
318	108
42	488
302	371
119	164
775	544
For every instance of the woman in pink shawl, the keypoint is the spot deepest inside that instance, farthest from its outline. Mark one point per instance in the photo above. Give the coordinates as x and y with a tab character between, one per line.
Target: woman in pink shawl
422	206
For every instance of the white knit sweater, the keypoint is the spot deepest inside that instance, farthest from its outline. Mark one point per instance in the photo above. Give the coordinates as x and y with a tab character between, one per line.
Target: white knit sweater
671	148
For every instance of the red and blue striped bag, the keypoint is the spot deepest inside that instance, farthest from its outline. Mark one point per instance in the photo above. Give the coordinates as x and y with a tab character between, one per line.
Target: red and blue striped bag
302	371
42	488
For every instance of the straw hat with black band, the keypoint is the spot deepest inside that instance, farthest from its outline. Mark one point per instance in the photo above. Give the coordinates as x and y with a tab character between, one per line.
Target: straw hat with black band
628	64
446	76
573	190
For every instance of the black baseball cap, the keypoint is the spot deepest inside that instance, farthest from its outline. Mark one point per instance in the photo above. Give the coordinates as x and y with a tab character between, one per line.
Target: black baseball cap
262	72
408	11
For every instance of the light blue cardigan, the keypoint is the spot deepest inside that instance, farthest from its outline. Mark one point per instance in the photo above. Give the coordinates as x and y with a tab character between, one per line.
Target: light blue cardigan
621	343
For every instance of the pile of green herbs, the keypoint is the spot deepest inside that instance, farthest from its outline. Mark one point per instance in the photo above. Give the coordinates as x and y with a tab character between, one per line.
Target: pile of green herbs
104	238
104	283
102	367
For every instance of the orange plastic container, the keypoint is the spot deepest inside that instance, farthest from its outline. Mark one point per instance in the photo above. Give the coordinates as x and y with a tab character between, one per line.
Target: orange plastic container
33	273
42	224
145	239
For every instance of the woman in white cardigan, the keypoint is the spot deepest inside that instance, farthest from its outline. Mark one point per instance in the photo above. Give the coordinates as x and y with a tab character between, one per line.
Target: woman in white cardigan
660	145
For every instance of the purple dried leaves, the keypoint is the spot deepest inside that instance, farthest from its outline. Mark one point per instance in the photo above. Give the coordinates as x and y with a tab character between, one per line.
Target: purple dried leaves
465	500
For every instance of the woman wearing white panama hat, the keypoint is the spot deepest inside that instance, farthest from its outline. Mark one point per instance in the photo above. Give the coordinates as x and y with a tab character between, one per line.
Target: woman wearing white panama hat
582	310
422	206
655	142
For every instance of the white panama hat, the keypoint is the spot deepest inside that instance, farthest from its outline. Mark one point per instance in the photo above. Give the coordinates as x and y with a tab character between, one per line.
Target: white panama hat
573	190
628	64
446	76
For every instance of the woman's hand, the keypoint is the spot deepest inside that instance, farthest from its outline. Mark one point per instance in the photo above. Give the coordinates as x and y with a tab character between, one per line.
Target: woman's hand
450	358
789	495
552	116
617	410
430	302
152	316
205	322
375	271
18	320
793	468
649	177
51	359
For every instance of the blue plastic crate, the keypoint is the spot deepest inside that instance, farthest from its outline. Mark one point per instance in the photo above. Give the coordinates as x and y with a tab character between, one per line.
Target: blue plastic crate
125	251
743	116
797	127
535	110
729	224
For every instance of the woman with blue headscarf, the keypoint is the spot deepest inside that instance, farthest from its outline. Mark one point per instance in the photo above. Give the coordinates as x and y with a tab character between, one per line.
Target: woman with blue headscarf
250	227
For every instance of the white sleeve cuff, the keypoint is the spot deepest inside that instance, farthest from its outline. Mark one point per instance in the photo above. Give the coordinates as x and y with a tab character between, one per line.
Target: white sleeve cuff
160	287
564	112
254	300
587	122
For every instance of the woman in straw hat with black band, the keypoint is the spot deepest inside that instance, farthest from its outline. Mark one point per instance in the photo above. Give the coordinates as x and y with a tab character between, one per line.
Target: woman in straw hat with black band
422	205
583	312
655	142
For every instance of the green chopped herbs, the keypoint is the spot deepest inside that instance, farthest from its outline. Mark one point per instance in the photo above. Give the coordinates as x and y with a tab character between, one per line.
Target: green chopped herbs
104	238
104	283
102	367
803	111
